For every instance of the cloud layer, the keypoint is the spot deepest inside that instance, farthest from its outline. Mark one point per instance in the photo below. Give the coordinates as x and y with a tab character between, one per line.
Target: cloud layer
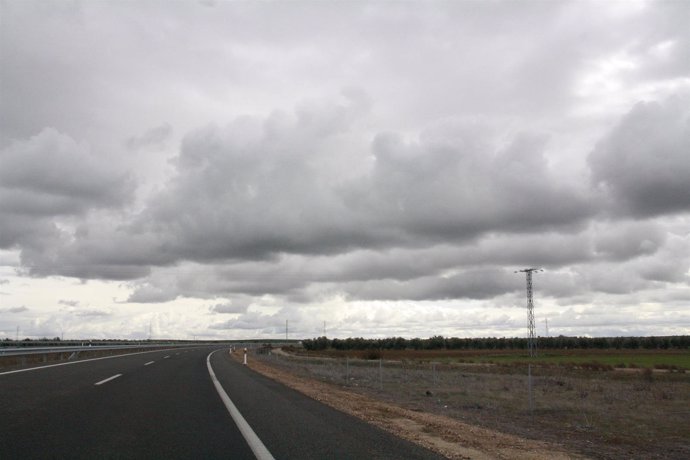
416	154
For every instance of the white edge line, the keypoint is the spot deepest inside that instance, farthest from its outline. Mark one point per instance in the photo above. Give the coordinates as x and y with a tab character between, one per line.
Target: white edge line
108	379
77	362
255	444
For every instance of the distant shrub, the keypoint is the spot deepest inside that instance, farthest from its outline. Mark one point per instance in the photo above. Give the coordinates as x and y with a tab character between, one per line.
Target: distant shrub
648	374
371	354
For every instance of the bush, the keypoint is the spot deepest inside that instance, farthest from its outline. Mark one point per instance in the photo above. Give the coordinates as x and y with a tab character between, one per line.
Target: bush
648	374
371	354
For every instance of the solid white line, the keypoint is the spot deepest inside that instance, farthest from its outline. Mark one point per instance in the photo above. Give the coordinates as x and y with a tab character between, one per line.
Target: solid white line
150	362
255	444
77	362
108	379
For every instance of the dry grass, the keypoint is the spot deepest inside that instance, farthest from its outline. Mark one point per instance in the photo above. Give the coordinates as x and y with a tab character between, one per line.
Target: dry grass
449	437
598	413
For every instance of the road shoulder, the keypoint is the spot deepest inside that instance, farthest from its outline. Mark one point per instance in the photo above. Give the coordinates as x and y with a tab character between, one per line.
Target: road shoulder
448	437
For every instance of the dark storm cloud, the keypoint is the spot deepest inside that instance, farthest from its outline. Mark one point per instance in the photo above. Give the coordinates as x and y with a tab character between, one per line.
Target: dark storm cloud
668	266
627	240
471	284
644	163
49	176
455	183
259	188
27	231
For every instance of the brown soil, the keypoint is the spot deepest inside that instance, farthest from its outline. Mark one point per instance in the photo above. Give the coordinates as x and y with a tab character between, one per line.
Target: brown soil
446	436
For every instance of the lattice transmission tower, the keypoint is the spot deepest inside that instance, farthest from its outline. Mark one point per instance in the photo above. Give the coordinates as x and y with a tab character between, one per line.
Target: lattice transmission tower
532	339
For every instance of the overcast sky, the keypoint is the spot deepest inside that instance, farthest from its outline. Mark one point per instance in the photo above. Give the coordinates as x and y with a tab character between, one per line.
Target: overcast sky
214	169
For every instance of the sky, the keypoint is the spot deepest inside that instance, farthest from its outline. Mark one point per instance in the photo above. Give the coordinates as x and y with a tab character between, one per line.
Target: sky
217	169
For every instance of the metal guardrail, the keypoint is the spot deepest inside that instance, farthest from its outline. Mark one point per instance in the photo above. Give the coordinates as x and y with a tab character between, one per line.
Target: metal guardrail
35	350
48	347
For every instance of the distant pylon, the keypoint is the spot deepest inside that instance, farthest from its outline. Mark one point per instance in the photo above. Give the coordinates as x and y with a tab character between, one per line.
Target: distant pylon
532	339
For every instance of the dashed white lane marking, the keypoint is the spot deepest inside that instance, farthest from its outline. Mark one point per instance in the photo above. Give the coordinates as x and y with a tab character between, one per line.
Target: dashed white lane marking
16	371
255	444
150	362
166	357
108	379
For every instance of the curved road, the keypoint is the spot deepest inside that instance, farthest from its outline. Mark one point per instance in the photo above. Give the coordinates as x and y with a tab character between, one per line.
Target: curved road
163	404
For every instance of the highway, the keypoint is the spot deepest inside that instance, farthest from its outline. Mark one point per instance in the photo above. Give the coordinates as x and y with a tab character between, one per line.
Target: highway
164	404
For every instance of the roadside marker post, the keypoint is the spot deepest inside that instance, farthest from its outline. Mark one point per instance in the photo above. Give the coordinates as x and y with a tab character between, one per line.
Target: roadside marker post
245	357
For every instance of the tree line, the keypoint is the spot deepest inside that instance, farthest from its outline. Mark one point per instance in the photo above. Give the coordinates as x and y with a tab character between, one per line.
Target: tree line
502	343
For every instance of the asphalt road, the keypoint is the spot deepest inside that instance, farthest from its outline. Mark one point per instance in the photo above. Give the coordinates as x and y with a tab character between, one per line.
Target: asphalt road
163	404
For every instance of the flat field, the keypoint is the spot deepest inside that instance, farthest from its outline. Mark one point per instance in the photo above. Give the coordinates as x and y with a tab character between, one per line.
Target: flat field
674	360
596	403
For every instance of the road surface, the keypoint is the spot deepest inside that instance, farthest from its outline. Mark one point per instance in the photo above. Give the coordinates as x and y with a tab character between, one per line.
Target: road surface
164	404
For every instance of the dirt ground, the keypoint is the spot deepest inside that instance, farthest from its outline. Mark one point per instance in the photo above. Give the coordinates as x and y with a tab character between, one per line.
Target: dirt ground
449	437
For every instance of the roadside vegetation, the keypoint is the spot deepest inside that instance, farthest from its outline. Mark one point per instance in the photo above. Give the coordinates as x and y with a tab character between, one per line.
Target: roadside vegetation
597	402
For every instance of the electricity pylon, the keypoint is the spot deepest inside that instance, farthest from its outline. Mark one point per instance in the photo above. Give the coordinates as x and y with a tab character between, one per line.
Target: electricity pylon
532	339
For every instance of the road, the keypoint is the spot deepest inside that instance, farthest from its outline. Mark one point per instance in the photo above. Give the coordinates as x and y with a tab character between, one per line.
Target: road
164	404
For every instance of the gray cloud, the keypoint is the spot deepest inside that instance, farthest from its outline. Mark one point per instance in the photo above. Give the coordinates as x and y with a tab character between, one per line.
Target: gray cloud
251	191
231	307
404	227
643	163
147	293
471	284
455	184
69	303
252	320
92	313
47	177
469	140
50	174
154	137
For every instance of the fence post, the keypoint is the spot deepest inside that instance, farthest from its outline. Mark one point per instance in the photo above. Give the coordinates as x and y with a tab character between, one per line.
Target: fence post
529	389
381	374
347	371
